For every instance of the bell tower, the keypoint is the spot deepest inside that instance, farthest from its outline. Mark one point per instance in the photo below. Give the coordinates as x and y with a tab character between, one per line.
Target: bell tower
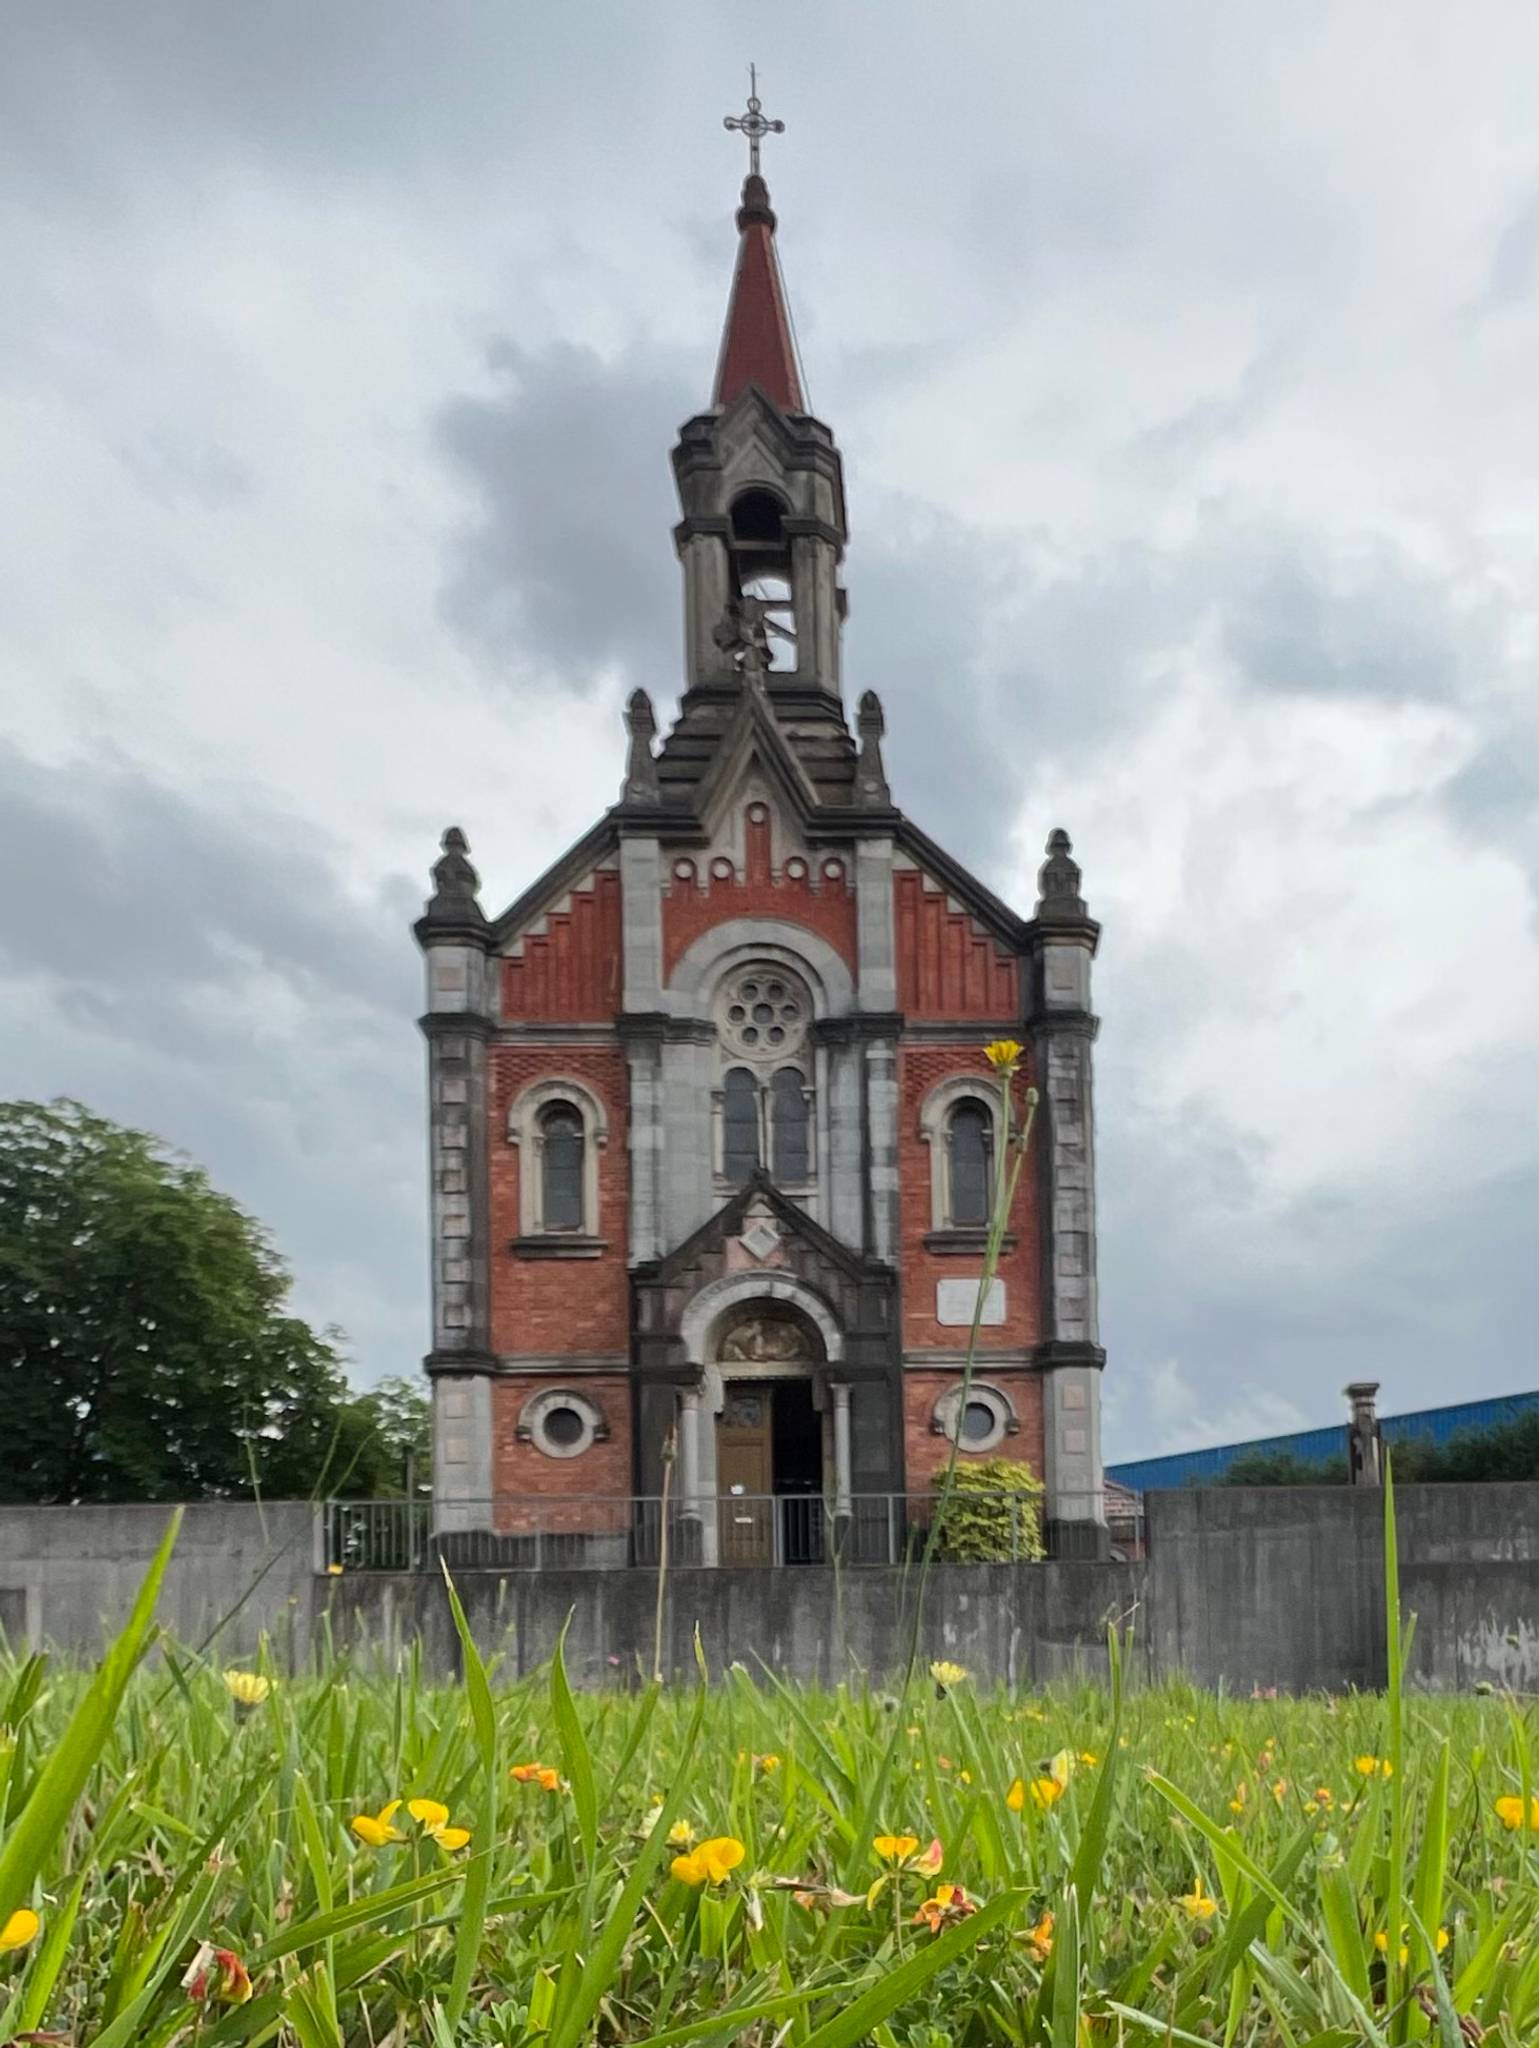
760	483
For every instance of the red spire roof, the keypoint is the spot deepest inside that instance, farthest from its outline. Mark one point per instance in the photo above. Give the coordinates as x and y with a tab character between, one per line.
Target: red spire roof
756	344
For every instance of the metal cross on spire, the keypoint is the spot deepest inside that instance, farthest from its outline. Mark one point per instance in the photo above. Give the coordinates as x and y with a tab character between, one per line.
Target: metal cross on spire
754	124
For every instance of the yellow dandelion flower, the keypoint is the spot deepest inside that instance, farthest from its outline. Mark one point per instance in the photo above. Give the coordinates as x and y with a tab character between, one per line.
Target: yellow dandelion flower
1003	1055
946	1673
247	1688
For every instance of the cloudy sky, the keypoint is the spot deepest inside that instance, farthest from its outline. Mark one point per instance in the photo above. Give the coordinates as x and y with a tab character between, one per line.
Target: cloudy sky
1183	363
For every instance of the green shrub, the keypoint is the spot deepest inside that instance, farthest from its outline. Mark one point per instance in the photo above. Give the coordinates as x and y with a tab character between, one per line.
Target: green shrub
993	1514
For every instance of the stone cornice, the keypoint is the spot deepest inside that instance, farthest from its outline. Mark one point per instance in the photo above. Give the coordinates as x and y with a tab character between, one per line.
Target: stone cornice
1071	1023
446	1023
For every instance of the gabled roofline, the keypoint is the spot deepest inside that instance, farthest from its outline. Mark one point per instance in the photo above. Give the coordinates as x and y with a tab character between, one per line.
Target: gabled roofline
759	1186
562	874
960	882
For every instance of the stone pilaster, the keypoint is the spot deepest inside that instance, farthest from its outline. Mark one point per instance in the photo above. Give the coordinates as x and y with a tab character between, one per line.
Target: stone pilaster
456	943
1063	1030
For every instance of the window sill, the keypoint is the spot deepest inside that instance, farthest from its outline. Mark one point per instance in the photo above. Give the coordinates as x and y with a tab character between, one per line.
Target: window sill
969	1243
567	1244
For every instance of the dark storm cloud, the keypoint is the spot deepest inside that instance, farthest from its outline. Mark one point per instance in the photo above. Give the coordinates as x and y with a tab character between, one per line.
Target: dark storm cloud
567	563
195	968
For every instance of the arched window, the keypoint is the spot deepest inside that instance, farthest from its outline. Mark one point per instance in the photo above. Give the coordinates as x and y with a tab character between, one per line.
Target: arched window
739	1124
764	1104
561	1167
560	1127
788	1124
969	1146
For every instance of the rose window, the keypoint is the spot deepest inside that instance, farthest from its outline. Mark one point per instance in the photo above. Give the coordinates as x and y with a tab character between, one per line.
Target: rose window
764	1016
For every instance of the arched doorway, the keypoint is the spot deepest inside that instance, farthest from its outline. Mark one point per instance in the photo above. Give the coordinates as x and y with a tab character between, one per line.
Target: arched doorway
772	1452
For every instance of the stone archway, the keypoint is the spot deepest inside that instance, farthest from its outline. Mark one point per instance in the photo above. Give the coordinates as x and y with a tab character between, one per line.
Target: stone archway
765	1438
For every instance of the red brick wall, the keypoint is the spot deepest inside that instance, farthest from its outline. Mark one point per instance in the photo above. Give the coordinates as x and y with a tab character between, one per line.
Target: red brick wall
559	1305
821	901
571	970
948	965
520	1470
925	1451
920	1067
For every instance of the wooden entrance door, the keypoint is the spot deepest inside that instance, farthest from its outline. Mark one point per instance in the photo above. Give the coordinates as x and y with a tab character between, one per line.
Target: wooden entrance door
745	1474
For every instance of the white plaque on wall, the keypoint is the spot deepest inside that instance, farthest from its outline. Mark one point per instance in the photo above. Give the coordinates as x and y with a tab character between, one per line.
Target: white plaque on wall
955	1301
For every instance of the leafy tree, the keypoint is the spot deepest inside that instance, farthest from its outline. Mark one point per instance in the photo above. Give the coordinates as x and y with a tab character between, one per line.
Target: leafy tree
1509	1450
385	1447
147	1350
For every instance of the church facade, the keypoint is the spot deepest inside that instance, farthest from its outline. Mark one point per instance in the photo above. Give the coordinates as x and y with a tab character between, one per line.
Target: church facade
713	1134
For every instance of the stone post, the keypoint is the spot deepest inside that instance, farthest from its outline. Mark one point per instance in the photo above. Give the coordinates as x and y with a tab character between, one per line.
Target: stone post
456	942
1063	1030
1364	1447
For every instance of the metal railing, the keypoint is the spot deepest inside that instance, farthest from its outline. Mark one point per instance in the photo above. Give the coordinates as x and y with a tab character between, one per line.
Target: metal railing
608	1532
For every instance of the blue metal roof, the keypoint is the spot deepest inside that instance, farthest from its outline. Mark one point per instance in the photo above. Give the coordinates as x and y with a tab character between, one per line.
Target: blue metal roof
1314	1446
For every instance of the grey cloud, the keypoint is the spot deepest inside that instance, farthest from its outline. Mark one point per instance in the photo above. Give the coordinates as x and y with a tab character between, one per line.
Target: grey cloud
197	969
568	563
1515	260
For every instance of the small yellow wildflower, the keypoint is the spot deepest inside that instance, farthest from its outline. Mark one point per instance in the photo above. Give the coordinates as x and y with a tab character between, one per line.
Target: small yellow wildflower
1197	1903
895	1848
949	1904
711	1863
767	1763
376	1828
19	1929
432	1816
681	1835
1280	1790
1004	1056
946	1673
1042	1792
1381	1943
1373	1767
1088	1759
247	1688
1509	1812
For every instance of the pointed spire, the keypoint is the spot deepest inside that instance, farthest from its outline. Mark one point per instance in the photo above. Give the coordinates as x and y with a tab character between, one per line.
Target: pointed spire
871	791
452	909
1059	900
641	784
757	345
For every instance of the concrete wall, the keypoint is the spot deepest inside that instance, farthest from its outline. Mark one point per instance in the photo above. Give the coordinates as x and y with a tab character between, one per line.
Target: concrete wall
1284	1586
1242	1588
813	1624
68	1576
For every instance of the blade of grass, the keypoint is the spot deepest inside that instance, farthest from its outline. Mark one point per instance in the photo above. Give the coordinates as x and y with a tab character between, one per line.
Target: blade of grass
33	1832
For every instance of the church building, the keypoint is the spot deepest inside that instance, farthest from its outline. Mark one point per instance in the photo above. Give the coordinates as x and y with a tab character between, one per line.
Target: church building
713	1134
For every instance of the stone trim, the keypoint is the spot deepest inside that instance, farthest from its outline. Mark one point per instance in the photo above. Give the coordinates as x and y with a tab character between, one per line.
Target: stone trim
523	1130
568	1245
934	1120
733	1290
568	1363
537	1410
970	1242
947	1409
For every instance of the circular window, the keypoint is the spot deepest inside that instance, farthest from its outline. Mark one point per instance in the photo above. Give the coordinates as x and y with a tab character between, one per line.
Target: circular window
762	1012
984	1422
977	1421
561	1423
564	1426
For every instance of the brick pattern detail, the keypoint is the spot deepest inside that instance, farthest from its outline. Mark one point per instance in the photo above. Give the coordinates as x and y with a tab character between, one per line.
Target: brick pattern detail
570	972
925	1451
948	966
920	1067
816	899
557	1488
554	1306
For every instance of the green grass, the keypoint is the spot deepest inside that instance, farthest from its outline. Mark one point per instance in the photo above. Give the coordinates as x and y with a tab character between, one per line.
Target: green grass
148	1820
